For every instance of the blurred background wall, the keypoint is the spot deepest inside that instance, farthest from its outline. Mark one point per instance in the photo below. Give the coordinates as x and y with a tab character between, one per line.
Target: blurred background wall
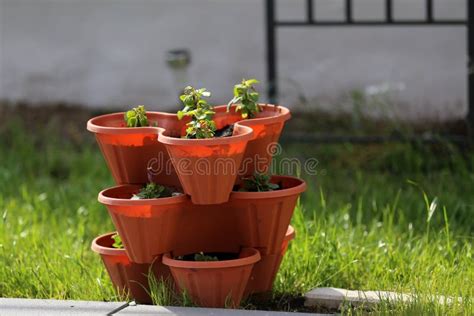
104	53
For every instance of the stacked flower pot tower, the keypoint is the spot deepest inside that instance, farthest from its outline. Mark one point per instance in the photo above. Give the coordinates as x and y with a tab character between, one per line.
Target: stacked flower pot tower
212	238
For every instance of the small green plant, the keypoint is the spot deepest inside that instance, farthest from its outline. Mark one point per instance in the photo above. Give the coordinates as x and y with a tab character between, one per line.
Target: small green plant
200	128
152	191
136	117
259	182
246	98
201	112
117	241
202	257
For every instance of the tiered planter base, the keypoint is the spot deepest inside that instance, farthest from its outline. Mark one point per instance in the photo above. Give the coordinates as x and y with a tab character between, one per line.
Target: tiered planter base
131	279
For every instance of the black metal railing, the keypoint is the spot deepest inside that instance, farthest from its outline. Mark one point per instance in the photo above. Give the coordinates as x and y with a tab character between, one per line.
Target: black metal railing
272	24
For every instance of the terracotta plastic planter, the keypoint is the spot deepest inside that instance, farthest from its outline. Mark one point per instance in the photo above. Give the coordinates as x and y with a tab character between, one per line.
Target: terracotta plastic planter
207	168
154	227
129	279
148	228
267	127
264	272
207	228
214	283
263	217
129	152
289	236
250	219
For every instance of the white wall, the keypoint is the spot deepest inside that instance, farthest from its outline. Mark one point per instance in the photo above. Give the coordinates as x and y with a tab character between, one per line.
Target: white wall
111	52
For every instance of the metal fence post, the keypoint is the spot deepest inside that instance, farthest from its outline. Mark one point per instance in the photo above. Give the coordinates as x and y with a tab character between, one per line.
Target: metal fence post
272	89
470	67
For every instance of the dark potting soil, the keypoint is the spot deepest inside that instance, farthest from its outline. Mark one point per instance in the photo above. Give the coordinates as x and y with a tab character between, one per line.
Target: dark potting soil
288	302
220	256
226	131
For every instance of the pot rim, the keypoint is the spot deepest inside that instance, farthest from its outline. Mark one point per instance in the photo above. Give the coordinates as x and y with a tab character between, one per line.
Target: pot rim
283	114
102	250
108	200
290	233
94	127
300	188
247	135
251	259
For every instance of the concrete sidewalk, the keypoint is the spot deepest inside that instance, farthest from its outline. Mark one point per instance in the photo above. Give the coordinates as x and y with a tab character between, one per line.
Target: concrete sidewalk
20	307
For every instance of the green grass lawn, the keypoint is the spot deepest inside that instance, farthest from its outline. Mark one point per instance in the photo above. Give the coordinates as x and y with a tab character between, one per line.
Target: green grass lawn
386	217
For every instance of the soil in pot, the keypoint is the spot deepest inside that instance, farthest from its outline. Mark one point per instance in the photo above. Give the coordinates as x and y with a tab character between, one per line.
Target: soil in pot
214	283
225	131
259	182
208	256
129	278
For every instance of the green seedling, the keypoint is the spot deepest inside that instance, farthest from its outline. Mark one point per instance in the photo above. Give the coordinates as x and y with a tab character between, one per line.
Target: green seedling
259	182
200	111
245	98
152	191
136	117
202	257
117	241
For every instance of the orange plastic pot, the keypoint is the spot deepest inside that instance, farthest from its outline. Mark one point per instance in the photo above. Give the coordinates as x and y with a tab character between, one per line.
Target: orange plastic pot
250	219
207	228
207	168
264	272
214	283
131	152
289	236
263	217
129	278
153	227
148	228
267	127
